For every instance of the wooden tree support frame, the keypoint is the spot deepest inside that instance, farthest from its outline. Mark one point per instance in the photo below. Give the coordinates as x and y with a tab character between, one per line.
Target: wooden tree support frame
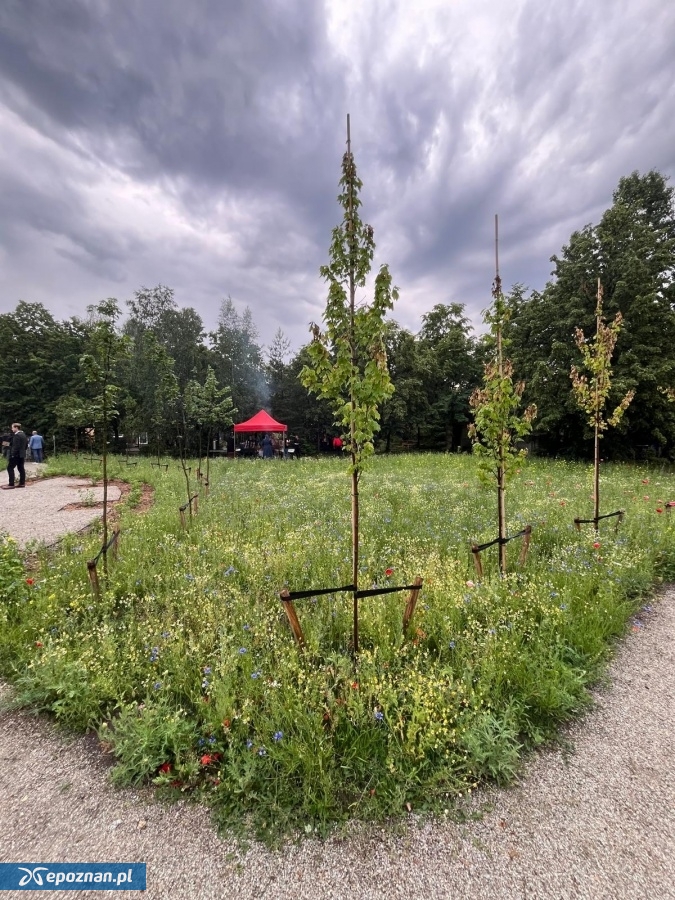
98	459
411	603
292	617
92	564
287	599
131	462
193	504
525	534
619	514
164	466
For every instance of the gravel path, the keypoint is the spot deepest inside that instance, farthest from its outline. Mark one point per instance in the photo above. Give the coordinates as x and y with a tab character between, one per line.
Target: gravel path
43	510
594	821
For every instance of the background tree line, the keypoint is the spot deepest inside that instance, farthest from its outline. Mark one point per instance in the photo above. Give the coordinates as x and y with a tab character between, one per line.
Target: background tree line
434	371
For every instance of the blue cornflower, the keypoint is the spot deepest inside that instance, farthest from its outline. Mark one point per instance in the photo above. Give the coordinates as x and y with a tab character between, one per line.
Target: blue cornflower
205	683
206	670
201	742
212	740
379	715
256	674
249	744
242	650
154	654
452	645
157	685
278	735
262	751
563	606
165	634
554	593
247	627
189	577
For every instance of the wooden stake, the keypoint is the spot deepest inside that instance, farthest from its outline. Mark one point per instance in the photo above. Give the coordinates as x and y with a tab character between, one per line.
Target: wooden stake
93	578
182	517
477	561
412	603
526	545
115	543
289	609
577	524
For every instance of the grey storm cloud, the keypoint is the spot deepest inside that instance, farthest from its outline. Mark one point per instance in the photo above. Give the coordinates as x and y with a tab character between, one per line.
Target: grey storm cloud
199	145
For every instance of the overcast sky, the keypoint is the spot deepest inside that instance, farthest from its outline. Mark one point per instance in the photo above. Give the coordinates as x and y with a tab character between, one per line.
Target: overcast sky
198	144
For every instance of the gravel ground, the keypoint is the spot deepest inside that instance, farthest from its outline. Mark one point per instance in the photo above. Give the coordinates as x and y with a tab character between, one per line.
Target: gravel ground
40	511
593	820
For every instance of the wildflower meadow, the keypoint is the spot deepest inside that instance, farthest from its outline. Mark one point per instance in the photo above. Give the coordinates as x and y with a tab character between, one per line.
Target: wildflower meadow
187	668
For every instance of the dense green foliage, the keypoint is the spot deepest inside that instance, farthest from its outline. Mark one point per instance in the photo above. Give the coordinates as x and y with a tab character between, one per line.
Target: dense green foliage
632	252
187	667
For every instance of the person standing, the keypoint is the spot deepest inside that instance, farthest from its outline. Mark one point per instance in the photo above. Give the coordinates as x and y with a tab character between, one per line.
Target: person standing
17	455
267	447
37	446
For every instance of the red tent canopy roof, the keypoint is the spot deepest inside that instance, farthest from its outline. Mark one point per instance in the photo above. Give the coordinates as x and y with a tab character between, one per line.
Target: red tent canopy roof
261	422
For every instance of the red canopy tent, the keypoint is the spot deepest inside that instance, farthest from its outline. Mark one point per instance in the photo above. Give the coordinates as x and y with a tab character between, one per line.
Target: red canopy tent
261	421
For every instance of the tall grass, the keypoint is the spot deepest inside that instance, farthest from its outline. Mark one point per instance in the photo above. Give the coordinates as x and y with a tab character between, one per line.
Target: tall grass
187	668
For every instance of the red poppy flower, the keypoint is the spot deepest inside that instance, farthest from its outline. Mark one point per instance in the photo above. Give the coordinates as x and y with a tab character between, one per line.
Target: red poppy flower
209	758
164	768
389	572
645	480
30	581
38	644
226	723
596	545
355	685
658	509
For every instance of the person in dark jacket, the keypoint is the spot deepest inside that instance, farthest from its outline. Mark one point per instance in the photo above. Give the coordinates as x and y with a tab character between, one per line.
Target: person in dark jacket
17	455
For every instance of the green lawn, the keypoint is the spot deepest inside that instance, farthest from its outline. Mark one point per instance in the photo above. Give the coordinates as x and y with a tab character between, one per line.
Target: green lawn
188	668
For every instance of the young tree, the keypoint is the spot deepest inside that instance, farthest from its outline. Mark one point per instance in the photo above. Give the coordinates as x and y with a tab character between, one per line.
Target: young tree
592	395
106	349
348	361
497	426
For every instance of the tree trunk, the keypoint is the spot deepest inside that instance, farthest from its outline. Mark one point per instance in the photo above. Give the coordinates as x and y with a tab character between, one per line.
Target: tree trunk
501	518
501	499
596	478
105	484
